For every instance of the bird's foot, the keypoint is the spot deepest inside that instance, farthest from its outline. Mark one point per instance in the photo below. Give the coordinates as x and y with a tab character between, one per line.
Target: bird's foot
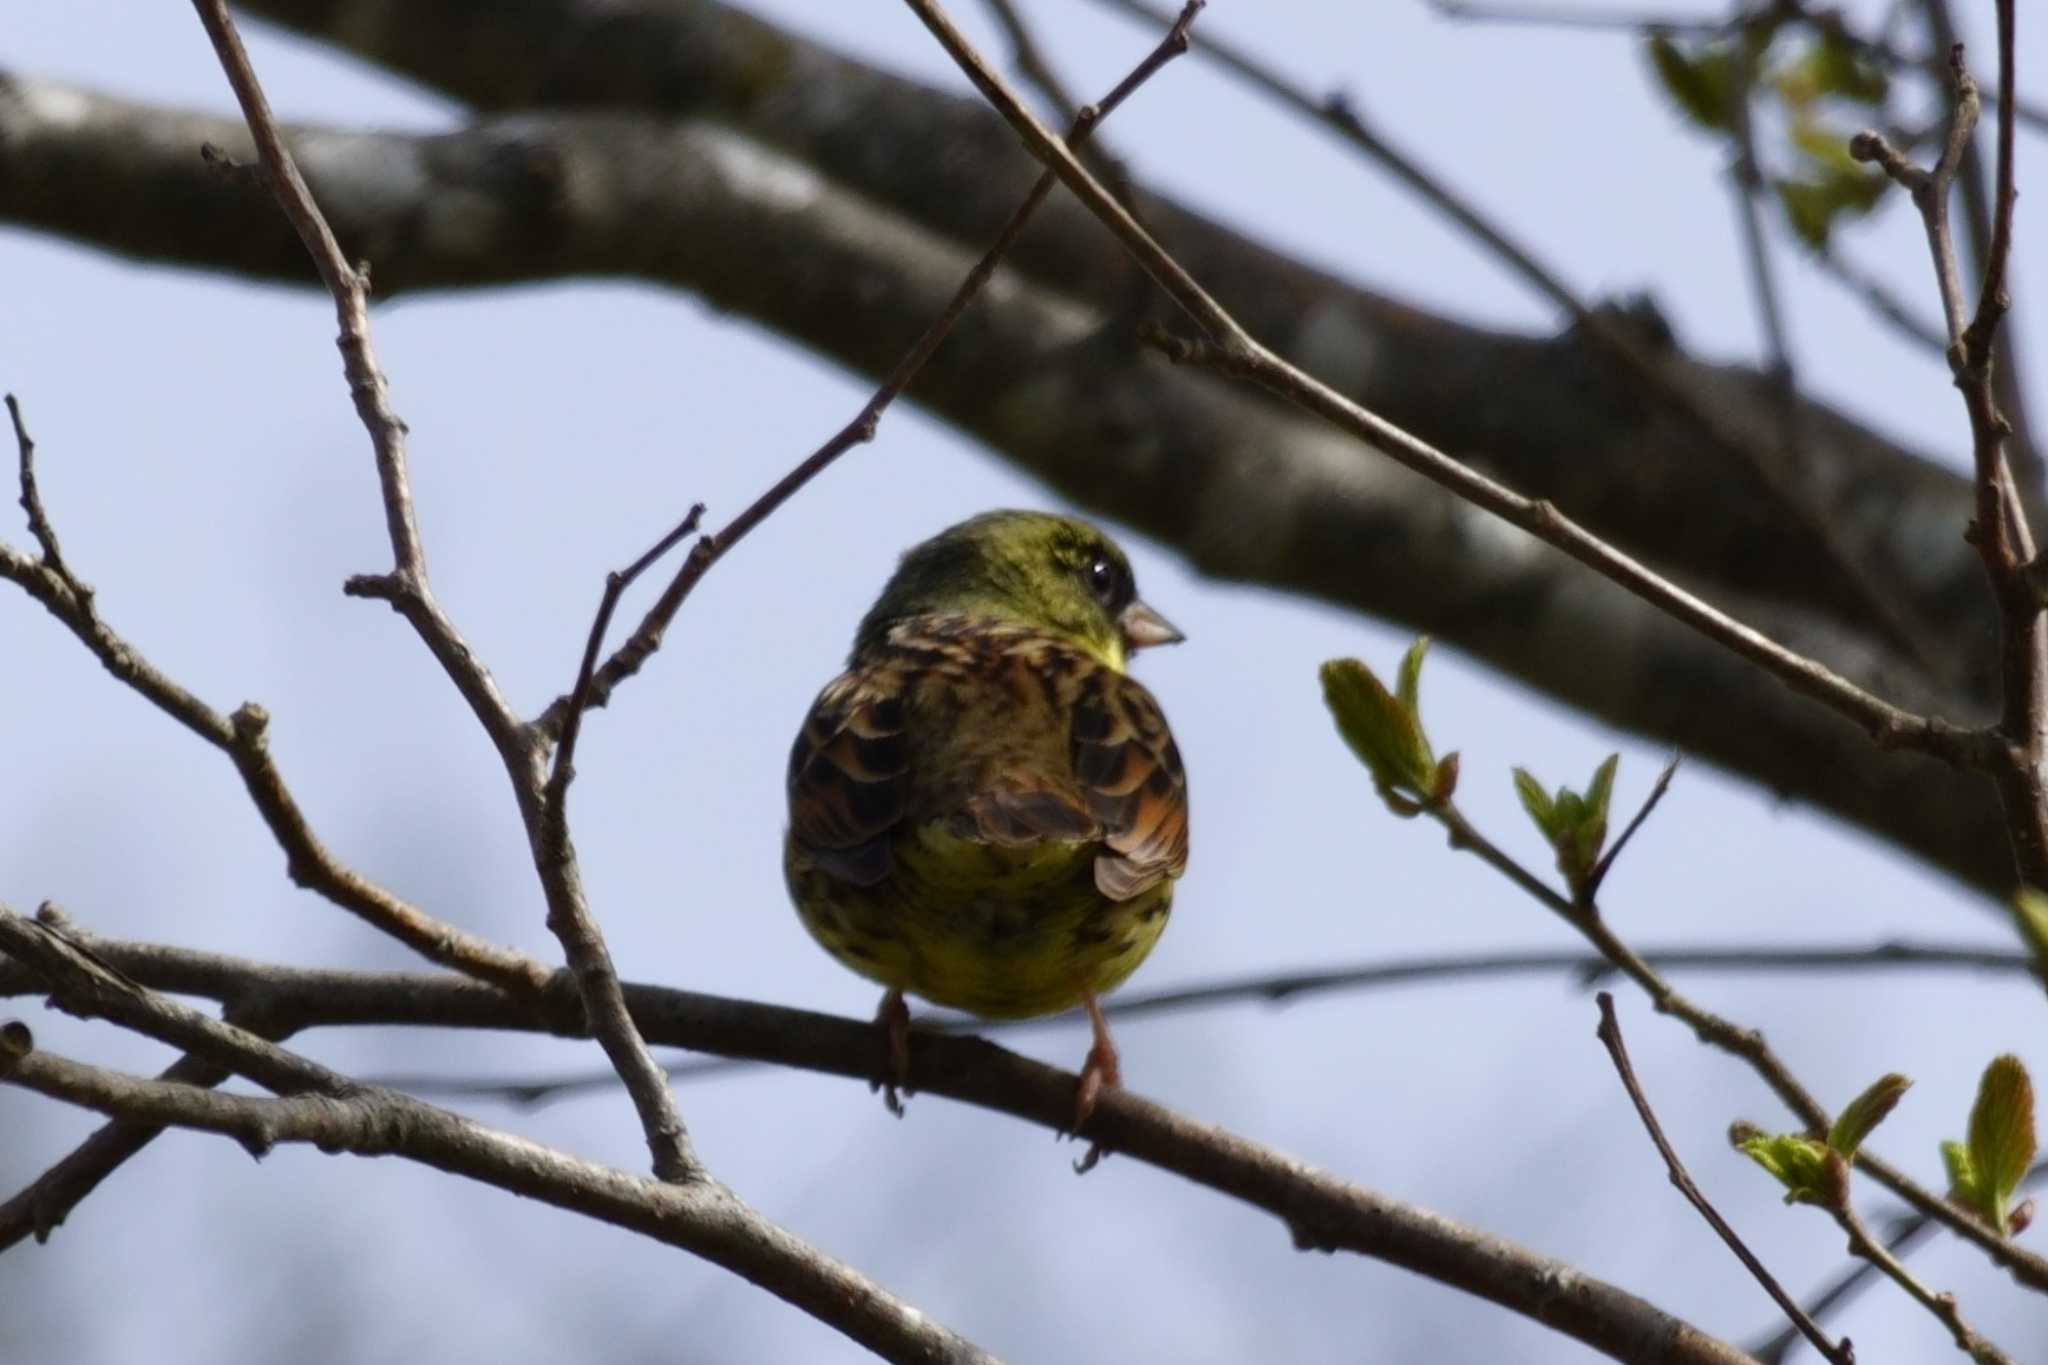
892	1016
1100	1072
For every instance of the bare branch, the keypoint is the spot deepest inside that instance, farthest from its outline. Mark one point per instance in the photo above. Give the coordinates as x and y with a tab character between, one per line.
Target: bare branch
1782	478
630	656
293	997
1746	1044
1904	1236
2000	531
1941	1305
597	981
1234	351
1031	61
32	498
1637	473
405	587
243	737
1610	1034
338	1114
1607	859
1320	1211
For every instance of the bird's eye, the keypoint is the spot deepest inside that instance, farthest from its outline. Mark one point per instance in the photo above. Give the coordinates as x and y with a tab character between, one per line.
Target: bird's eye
1103	578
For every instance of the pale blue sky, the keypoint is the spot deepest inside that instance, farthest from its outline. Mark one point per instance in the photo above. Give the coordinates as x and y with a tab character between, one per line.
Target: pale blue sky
207	474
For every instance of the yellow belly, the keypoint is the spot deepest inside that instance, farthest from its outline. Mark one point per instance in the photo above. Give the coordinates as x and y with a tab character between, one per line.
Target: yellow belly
1001	932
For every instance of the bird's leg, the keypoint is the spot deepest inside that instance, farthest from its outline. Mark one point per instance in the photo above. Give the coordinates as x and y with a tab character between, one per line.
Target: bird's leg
1098	1073
892	1016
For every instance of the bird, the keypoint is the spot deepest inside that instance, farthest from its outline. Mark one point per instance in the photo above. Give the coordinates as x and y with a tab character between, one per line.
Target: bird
985	810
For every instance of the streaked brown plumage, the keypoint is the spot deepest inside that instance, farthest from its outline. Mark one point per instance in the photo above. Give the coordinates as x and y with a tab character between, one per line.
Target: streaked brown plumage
984	809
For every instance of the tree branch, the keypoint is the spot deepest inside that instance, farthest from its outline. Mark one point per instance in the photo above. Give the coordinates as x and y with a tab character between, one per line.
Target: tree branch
1321	1211
2004	541
293	998
1625	466
1249	493
338	1114
244	738
1780	472
1231	349
1943	1306
1610	1035
630	656
406	588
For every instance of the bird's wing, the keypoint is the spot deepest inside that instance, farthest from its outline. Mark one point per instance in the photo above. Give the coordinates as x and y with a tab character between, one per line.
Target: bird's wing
1131	777
849	776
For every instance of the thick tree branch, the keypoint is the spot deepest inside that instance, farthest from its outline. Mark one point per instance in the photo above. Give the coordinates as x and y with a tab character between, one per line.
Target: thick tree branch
1232	349
1249	493
1779	470
1559	420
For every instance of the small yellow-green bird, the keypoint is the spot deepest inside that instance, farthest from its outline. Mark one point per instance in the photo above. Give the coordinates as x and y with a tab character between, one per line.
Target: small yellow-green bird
984	809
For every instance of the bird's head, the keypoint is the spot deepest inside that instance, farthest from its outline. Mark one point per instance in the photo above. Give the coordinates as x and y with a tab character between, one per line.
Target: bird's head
1056	573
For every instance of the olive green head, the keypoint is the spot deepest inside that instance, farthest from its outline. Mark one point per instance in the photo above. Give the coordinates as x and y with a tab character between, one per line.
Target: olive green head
1056	573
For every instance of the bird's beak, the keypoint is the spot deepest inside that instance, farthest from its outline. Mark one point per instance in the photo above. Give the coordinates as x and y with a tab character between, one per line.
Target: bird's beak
1144	627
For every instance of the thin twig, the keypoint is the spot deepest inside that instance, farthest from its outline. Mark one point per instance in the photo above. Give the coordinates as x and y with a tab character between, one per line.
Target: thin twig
1607	859
1340	115
1231	349
1828	21
1037	70
1746	1044
1982	205
569	917
32	498
1031	62
1748	184
628	659
1904	1236
244	738
1902	1241
1941	1305
1609	1033
338	1113
2000	531
407	589
1320	1211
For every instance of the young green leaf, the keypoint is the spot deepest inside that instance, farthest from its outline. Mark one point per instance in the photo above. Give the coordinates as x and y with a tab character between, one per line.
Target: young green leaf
1701	84
1535	800
1599	790
2030	909
2001	1138
1383	732
1408	680
1962	1176
1798	1162
1865	1112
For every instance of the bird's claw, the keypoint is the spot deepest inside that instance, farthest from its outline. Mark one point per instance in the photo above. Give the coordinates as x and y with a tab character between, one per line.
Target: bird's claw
893	1017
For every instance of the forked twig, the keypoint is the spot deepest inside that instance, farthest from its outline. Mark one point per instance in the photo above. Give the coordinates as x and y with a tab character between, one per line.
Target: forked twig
646	638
